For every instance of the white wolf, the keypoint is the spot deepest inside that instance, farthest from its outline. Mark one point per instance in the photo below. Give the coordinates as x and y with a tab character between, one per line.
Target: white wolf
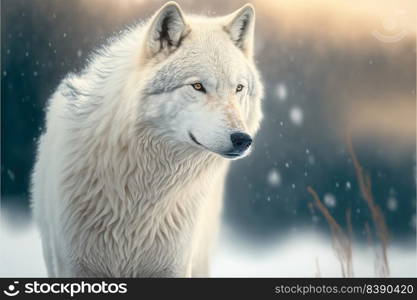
130	172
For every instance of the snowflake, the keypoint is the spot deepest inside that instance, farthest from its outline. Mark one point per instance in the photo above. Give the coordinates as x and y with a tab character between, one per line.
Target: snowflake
392	204
296	115
348	185
330	200
274	178
281	92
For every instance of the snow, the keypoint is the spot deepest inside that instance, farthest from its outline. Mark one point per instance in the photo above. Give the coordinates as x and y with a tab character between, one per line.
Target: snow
294	255
274	178
281	92
20	252
296	115
392	204
329	200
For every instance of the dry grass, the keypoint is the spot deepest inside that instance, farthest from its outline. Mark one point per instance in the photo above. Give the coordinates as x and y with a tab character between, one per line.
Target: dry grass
318	272
342	239
378	219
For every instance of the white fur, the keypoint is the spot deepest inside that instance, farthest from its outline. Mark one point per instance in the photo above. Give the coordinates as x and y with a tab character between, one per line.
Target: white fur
119	189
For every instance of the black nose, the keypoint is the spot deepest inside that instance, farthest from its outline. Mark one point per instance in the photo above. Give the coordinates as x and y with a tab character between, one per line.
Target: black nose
241	141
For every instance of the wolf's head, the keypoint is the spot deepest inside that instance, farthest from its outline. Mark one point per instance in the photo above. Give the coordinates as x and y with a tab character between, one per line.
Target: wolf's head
202	88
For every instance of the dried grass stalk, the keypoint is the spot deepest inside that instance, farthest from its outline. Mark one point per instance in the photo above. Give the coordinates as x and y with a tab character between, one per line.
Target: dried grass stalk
342	243
378	218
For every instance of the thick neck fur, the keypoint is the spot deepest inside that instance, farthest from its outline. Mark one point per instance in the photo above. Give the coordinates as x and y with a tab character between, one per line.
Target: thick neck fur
126	186
134	194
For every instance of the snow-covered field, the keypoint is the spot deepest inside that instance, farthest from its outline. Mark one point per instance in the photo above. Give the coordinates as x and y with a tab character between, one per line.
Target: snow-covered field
296	256
299	255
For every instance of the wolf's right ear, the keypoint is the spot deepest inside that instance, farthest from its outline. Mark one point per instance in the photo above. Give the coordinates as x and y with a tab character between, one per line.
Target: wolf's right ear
240	26
167	29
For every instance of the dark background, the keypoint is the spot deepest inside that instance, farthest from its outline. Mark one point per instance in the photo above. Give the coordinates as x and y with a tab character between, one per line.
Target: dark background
338	77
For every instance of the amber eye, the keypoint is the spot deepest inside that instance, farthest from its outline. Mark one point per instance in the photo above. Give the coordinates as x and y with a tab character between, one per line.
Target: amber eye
239	88
198	87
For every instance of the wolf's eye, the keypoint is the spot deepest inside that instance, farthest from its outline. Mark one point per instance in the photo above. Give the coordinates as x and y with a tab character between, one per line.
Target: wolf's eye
239	88
199	87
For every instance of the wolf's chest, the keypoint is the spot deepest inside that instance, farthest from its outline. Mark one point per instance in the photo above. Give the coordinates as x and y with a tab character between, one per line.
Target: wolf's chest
154	240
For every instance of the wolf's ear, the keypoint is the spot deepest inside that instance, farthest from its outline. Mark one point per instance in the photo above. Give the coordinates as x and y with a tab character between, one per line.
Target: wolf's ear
167	29
240	26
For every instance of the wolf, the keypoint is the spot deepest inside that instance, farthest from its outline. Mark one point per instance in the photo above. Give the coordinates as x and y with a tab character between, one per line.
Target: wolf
130	171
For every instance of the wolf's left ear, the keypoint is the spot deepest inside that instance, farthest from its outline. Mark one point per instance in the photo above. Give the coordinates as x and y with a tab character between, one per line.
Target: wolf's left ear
240	26
167	29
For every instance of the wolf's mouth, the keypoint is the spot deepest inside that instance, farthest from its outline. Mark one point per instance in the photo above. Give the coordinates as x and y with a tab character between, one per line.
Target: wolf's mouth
192	137
229	155
232	155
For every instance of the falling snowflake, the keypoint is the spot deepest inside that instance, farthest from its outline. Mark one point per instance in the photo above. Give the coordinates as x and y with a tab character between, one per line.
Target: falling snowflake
348	185
296	115
392	204
330	200
274	177
281	92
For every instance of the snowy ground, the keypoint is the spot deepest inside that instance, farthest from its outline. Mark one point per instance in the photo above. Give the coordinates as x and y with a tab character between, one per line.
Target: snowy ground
297	256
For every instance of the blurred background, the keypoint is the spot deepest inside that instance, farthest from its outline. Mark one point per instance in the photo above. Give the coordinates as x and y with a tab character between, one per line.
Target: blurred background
330	67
